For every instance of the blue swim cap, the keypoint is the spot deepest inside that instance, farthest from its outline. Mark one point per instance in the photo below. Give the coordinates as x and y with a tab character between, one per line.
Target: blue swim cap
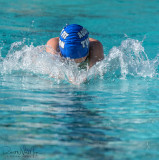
74	41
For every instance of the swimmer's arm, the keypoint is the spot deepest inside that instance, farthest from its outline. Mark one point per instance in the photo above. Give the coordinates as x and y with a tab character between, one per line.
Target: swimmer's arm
52	45
96	52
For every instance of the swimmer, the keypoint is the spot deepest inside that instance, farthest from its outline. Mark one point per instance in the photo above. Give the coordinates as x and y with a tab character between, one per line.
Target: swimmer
74	44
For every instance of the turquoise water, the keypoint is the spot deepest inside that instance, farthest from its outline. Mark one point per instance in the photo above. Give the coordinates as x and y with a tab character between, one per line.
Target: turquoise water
114	115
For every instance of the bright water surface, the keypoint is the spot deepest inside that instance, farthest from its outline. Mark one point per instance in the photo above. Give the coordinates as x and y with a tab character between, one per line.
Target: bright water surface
114	115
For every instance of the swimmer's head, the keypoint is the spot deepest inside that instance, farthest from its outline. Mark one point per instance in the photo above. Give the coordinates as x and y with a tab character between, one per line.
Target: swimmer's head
74	42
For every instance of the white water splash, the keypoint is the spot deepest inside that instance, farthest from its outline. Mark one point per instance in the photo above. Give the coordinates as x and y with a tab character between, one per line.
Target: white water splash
129	59
37	61
132	60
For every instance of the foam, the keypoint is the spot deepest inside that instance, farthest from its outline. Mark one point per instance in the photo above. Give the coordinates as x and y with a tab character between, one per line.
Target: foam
132	60
128	59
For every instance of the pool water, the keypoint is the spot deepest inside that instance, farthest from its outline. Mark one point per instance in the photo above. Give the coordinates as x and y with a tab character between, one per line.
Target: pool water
113	115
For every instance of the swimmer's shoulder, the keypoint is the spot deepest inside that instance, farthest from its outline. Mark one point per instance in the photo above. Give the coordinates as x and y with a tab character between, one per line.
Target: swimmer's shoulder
96	52
52	45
